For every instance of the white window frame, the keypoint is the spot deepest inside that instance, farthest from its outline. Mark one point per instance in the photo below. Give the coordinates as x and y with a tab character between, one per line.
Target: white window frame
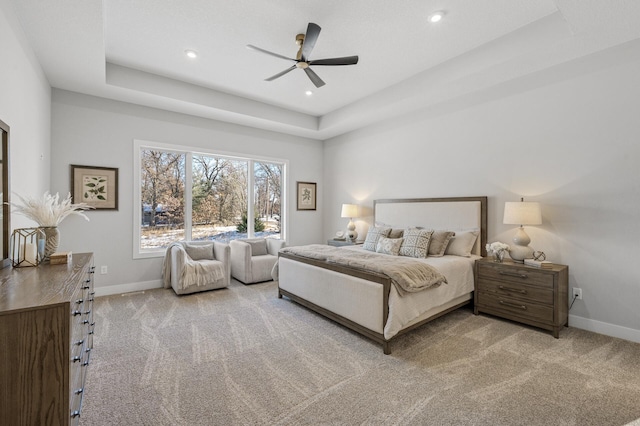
188	151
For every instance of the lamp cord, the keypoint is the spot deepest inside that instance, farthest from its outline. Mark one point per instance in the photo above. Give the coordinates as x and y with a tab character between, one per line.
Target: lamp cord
574	299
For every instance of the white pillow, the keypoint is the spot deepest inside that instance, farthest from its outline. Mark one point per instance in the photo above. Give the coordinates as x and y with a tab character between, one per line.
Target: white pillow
462	243
374	233
389	245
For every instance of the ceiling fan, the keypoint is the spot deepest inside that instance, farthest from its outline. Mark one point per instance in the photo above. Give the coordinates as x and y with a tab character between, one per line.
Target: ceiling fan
305	43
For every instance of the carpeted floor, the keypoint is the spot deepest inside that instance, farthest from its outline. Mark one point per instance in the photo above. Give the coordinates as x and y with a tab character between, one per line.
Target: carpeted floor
243	356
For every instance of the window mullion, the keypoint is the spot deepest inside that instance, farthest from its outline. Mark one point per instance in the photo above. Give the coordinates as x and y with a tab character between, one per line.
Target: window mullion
250	200
188	196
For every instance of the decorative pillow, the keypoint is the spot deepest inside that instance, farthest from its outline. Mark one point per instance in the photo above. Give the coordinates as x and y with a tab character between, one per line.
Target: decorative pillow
462	243
374	233
258	247
396	233
389	245
439	242
199	251
415	242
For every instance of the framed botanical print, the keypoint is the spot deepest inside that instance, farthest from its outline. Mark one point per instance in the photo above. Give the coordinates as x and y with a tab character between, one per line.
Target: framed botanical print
306	196
95	186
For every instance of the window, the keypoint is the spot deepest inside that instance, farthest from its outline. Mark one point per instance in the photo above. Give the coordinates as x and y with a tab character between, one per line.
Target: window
188	195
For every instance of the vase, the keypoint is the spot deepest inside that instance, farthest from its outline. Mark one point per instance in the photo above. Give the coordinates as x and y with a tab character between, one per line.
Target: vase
52	239
498	256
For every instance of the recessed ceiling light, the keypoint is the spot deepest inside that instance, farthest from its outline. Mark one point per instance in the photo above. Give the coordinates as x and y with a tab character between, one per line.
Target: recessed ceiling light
436	16
308	93
191	53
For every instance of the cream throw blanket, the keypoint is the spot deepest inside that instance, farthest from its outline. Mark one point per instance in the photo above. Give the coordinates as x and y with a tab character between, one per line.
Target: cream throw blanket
192	272
408	274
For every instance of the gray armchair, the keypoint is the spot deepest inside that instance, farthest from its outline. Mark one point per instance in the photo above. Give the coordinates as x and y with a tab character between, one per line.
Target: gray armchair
194	266
253	259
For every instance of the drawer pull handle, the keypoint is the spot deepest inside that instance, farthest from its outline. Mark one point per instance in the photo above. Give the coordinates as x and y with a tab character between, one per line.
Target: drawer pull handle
88	312
515	290
91	332
85	322
78	391
514	274
79	342
76	313
86	287
77	358
513	305
79	301
75	414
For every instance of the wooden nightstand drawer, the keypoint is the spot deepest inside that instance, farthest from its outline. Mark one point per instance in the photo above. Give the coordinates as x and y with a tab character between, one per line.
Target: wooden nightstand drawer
515	274
521	308
517	290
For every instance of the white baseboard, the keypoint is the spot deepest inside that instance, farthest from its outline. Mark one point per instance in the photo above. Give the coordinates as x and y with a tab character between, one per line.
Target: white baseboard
128	288
605	328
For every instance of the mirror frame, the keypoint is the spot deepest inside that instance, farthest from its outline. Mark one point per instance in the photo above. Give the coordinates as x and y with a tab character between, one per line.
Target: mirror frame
6	211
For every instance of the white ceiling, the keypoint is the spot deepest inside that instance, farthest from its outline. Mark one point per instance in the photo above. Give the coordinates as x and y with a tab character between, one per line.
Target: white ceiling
133	50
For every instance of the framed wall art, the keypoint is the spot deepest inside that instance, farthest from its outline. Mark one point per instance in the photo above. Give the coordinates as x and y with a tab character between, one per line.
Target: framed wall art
96	186
306	196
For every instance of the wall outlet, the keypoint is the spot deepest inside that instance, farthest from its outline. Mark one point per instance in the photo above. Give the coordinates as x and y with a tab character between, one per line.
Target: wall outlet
103	269
577	292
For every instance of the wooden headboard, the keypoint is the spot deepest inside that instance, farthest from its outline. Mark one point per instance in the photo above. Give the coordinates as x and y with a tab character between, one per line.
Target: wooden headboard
451	213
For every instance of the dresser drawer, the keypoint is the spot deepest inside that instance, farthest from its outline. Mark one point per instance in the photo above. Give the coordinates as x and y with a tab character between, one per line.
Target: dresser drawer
520	308
515	274
517	290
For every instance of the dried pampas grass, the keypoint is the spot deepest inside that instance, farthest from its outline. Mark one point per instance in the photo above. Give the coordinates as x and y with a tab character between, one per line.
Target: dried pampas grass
49	210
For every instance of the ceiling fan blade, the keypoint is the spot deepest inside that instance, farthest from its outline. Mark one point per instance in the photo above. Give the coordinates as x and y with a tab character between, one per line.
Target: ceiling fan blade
314	77
346	60
280	74
252	47
310	38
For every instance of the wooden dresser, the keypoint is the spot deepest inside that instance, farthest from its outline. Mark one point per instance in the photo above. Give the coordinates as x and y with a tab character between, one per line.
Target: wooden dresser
533	296
46	337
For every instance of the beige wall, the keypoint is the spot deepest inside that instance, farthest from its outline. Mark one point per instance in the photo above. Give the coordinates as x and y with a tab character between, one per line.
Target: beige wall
571	145
25	105
98	132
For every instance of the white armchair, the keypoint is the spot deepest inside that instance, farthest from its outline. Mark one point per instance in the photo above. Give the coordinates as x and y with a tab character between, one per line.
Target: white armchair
253	259
194	266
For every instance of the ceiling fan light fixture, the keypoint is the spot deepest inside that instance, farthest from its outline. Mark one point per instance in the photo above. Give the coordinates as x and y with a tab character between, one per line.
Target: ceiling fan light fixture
191	53
436	16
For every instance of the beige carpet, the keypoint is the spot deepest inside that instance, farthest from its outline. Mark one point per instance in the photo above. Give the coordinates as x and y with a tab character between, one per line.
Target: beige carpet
243	356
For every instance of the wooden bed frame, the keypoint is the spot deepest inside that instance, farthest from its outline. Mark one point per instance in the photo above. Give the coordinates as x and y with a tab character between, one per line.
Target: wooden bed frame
383	280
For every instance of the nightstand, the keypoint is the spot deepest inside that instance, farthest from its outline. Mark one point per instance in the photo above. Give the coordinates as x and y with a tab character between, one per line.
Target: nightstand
340	243
529	295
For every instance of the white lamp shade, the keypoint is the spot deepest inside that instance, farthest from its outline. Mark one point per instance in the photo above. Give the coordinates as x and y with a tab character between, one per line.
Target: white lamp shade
522	213
349	210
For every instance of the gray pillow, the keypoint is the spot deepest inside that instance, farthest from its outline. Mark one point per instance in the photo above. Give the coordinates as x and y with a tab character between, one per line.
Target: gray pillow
415	242
199	251
396	233
258	247
373	235
439	242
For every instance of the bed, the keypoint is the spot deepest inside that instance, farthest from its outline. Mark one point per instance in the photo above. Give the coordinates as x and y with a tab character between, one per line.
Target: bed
369	302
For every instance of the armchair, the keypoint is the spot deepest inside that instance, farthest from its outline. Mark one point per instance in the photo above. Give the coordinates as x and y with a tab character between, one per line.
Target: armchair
194	266
253	259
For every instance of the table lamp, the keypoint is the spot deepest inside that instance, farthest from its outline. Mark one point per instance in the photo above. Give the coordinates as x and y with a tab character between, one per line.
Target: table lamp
350	211
521	213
